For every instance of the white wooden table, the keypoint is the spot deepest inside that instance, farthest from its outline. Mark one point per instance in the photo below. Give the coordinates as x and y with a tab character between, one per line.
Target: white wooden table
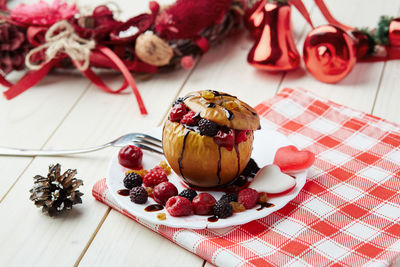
66	111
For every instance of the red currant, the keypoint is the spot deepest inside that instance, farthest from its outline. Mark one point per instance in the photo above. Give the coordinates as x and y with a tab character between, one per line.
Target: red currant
131	157
203	204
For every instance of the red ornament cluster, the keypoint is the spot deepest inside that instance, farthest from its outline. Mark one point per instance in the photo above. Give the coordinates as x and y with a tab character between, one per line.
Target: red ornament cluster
329	52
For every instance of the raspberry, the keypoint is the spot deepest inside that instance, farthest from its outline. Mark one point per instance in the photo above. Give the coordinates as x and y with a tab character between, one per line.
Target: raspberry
138	195
132	180
230	197
208	128
241	136
189	119
177	112
188	193
203	204
163	191
237	207
223	209
155	176
225	138
130	157
248	197
179	206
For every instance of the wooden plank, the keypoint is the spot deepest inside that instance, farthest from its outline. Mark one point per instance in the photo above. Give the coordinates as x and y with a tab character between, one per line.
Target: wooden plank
28	120
96	119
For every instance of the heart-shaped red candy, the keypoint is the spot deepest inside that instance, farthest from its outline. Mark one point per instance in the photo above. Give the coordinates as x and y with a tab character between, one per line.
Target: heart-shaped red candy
290	159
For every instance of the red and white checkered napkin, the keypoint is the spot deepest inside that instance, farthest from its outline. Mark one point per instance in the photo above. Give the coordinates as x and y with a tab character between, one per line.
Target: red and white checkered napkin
349	210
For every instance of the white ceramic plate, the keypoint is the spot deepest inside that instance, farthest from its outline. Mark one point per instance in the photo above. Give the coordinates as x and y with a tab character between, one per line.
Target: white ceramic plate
266	142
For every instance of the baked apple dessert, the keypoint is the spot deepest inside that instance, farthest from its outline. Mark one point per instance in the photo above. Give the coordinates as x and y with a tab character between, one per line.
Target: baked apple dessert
208	137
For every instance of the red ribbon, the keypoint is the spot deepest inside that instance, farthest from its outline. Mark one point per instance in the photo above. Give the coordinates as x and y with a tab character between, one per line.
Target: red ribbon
3	4
33	77
30	79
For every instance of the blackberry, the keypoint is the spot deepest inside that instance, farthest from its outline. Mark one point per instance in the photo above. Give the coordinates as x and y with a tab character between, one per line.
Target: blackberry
230	197
251	169
223	209
132	180
188	193
208	128
138	195
178	101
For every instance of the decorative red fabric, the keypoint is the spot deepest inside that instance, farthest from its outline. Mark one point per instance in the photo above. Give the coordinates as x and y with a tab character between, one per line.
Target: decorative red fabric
347	214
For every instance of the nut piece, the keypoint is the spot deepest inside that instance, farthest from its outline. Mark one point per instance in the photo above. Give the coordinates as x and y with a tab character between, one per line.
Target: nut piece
153	50
161	216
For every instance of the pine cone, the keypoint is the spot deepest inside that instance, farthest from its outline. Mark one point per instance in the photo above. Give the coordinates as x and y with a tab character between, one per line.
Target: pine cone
13	47
56	193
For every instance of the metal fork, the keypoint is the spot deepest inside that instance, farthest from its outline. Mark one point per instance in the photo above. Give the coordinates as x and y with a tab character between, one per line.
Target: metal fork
143	141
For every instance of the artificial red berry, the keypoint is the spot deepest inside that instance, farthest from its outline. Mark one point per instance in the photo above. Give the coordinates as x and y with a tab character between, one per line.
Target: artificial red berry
177	112
189	119
154	177
179	206
248	197
131	157
241	136
203	204
225	138
163	191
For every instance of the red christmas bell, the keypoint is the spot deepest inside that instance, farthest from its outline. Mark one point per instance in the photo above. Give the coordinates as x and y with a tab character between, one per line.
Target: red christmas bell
394	32
253	18
329	53
275	49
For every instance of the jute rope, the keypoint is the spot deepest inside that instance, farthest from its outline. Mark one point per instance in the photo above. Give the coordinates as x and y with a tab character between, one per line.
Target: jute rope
61	38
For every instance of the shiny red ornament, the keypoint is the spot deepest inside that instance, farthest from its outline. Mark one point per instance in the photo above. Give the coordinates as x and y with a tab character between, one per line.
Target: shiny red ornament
275	49
329	53
394	32
254	17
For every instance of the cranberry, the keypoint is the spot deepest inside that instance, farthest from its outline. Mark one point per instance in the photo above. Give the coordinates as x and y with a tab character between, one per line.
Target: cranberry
162	192
179	206
177	112
131	157
225	138
203	204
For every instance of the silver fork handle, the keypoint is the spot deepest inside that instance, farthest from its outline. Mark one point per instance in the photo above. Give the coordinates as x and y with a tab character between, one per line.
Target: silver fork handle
5	151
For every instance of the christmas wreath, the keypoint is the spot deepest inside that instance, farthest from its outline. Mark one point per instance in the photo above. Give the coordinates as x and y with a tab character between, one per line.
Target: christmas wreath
44	36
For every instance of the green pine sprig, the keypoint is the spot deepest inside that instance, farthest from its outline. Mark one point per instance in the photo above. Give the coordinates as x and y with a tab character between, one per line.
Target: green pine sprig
381	35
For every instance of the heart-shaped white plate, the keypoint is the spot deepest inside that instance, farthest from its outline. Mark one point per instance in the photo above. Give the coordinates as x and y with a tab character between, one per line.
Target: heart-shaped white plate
266	142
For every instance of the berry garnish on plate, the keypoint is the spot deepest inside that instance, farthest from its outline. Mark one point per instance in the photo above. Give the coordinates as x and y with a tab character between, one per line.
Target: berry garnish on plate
248	197
203	204
179	206
188	193
154	177
138	195
163	191
130	157
223	209
230	197
132	180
